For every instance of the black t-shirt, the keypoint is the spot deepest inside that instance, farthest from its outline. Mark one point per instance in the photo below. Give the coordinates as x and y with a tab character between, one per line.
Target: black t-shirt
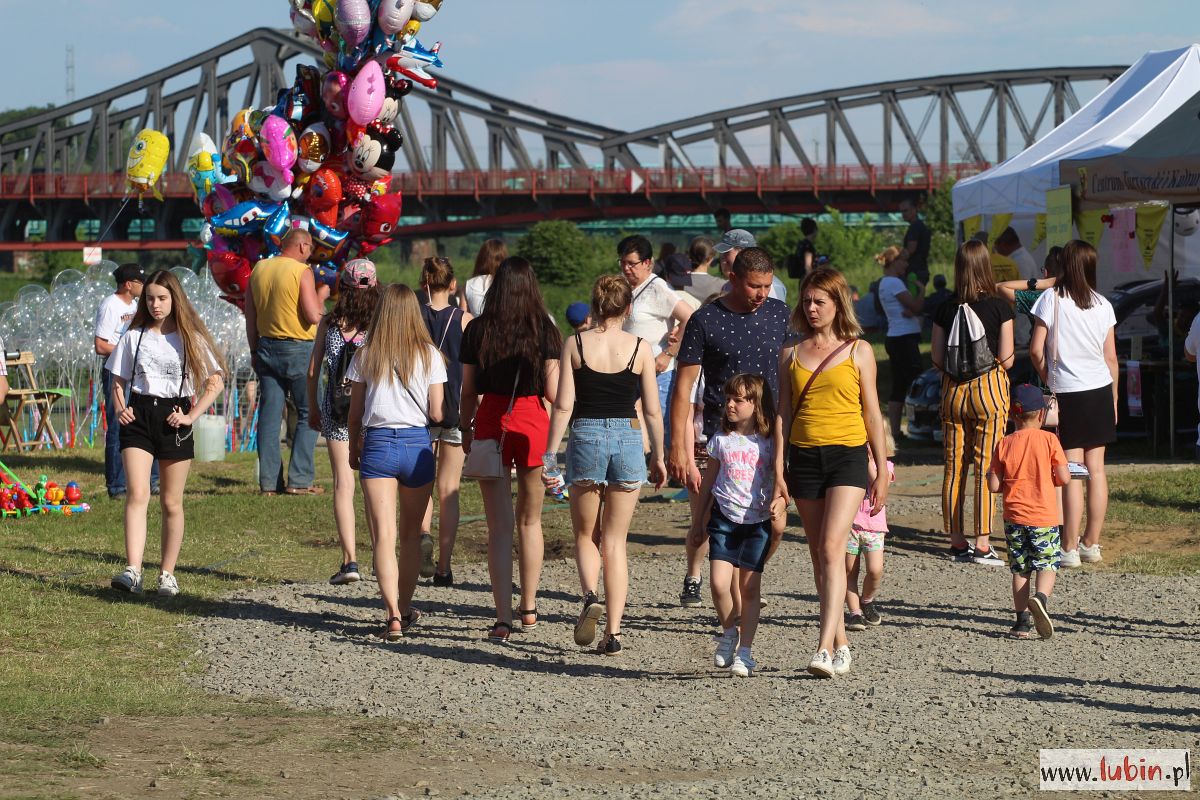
726	343
498	378
992	311
918	262
804	247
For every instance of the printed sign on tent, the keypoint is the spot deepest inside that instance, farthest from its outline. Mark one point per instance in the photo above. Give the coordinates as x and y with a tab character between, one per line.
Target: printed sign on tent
1039	230
1125	253
1091	226
971	226
1058	216
1150	219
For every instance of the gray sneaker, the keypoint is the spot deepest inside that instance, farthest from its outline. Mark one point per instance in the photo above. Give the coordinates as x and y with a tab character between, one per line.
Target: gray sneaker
167	585
856	622
871	614
128	581
1039	609
690	596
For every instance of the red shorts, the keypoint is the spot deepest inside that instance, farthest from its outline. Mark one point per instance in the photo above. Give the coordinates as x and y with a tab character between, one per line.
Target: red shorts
526	430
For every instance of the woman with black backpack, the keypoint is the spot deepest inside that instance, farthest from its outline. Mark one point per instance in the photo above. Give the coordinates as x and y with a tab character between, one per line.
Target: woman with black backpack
446	323
973	348
339	335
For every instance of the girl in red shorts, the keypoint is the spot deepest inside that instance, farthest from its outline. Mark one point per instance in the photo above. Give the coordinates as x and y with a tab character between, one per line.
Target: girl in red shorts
510	358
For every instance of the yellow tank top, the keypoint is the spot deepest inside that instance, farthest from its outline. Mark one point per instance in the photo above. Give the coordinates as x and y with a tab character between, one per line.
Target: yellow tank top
832	410
276	286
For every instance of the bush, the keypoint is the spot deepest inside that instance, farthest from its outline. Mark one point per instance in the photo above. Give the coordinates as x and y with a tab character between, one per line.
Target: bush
561	254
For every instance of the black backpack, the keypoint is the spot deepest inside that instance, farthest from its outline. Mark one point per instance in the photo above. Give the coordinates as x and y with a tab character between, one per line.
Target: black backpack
339	386
967	352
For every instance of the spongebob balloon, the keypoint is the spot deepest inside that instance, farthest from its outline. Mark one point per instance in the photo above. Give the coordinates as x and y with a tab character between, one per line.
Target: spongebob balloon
147	158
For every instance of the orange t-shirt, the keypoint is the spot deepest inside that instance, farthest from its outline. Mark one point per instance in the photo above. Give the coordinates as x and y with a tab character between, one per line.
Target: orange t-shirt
1025	461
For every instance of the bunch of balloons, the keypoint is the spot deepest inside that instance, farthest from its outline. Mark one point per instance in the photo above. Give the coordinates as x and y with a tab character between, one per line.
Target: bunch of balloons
321	158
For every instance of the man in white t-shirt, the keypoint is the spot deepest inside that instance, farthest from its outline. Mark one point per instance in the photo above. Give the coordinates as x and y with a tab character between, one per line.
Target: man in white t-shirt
1191	346
655	311
112	319
734	242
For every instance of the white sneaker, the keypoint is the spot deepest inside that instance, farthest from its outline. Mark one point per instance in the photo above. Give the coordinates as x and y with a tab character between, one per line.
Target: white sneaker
841	660
1090	554
728	642
743	665
1070	559
128	581
167	585
821	665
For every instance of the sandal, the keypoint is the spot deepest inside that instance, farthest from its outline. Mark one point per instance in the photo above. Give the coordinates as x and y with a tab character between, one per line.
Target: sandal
390	635
410	619
500	633
528	626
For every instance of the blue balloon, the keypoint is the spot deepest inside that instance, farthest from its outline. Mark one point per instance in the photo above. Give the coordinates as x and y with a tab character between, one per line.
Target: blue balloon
247	217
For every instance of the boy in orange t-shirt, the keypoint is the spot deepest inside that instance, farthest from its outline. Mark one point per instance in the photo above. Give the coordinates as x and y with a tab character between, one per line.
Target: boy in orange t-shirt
1026	466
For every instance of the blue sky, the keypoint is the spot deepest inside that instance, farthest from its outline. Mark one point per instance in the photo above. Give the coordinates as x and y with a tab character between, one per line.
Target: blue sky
622	63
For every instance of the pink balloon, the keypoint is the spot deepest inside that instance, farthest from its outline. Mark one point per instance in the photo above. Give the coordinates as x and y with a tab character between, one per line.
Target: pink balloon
278	142
367	93
333	93
353	21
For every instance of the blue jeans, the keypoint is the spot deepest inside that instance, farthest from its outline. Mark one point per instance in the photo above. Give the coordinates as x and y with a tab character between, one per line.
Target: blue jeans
282	367
666	382
114	467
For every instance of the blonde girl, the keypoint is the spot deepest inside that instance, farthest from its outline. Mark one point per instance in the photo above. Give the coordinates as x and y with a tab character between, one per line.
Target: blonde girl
163	356
397	390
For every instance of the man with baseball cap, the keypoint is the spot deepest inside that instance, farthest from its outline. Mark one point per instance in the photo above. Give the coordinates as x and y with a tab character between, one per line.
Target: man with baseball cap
579	316
734	242
112	318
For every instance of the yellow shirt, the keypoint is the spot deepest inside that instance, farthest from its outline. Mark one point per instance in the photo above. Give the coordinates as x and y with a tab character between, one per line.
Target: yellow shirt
832	410
276	286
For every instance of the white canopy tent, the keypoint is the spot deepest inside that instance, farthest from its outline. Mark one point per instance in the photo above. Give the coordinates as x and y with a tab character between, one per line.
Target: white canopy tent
1145	95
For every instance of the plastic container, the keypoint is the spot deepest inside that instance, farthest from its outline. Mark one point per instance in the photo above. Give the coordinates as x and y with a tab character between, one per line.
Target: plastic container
557	486
209	431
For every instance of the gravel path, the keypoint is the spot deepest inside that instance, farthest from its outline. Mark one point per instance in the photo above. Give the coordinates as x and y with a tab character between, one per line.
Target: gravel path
939	698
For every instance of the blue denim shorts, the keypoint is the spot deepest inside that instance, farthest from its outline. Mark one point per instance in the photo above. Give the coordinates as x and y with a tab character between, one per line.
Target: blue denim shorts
400	453
604	451
743	545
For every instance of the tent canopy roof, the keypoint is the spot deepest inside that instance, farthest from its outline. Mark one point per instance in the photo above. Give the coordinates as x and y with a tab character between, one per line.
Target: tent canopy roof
1146	95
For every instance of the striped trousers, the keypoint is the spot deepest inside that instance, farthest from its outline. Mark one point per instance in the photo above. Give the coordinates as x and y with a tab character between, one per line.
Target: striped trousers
974	417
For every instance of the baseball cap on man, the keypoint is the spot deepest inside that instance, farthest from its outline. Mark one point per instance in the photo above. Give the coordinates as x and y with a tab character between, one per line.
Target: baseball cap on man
577	313
736	238
1027	398
128	272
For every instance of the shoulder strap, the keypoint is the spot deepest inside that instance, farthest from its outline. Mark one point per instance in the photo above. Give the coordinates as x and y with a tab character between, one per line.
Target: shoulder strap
1054	363
820	368
579	347
637	346
448	324
645	286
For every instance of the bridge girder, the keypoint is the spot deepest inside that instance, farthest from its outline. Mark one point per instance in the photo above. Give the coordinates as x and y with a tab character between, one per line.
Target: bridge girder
459	126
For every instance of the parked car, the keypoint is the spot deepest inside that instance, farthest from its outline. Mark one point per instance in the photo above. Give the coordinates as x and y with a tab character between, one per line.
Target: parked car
1134	304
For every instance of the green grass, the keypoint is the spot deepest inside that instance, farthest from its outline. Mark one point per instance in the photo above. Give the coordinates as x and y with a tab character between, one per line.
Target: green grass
1156	498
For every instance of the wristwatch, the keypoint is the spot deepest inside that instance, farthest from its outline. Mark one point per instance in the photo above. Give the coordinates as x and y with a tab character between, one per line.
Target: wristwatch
1031	284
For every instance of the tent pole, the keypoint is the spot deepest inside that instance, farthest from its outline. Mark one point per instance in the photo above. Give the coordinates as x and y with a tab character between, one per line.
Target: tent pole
1171	341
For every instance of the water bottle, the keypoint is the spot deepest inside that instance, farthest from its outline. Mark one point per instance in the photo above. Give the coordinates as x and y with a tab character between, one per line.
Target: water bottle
558	485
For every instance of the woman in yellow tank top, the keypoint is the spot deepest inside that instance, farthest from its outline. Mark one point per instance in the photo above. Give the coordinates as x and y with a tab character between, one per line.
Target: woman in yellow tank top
828	428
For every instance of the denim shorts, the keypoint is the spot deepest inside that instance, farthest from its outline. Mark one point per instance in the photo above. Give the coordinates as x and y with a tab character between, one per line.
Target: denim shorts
403	454
606	451
743	545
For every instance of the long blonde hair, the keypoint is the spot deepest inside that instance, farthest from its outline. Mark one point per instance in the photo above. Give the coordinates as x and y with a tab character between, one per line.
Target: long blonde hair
398	340
191	329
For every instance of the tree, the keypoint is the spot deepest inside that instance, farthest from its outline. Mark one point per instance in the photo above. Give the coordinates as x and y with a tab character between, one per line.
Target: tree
561	254
939	216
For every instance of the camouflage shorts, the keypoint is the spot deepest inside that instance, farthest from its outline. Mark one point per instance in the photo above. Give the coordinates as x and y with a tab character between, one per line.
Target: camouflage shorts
1032	548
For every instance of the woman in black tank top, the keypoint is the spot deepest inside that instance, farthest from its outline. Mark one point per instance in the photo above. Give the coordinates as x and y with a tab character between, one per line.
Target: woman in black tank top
597	397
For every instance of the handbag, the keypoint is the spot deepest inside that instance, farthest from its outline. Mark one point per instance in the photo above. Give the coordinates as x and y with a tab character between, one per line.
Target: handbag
1051	419
804	392
483	462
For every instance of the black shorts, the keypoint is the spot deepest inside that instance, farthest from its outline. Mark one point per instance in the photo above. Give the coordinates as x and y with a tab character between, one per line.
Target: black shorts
149	430
904	356
1086	419
813	470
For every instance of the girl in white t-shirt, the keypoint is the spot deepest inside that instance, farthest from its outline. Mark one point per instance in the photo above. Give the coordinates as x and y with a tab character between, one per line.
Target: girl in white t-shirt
164	356
739	483
397	379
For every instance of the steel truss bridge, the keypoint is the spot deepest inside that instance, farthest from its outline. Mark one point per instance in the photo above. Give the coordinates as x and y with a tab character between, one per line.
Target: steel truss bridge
477	161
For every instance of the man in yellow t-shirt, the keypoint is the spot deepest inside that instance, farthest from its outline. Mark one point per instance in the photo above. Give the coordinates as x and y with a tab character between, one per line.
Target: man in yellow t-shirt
283	306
